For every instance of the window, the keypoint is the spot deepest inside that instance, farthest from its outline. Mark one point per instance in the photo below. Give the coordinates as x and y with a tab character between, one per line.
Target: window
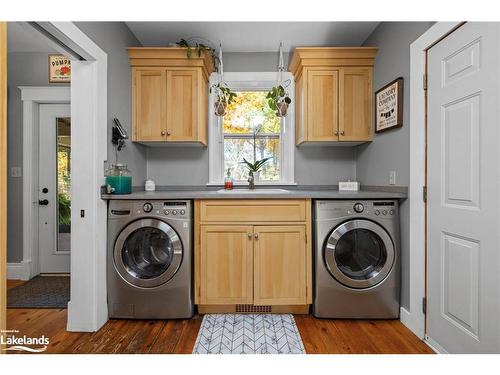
251	130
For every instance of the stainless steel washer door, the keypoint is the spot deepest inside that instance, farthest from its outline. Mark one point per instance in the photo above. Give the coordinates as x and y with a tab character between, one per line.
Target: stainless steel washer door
147	253
359	254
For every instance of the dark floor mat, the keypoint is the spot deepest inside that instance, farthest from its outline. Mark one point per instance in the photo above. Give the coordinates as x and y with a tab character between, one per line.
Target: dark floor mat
42	292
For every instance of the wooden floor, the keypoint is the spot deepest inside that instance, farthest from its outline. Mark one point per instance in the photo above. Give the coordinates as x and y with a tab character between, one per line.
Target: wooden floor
326	336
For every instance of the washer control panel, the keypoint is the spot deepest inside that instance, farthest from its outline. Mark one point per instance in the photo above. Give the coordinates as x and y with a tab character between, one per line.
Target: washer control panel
365	208
171	209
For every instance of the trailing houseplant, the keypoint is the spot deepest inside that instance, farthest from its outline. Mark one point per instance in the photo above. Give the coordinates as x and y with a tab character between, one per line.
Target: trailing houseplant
225	96
200	46
278	100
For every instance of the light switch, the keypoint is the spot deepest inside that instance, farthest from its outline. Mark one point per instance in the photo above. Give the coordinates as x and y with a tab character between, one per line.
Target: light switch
15	172
392	177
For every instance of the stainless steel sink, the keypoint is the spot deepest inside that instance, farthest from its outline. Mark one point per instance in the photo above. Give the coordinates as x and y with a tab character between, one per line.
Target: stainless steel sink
253	191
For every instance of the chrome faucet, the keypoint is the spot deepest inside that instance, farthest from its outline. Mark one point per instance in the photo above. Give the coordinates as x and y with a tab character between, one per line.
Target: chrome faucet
251	181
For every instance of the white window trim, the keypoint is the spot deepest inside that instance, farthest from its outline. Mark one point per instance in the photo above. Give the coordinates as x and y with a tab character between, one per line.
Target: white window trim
252	81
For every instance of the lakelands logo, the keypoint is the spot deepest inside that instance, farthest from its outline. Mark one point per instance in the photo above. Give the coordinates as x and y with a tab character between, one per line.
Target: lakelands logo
13	342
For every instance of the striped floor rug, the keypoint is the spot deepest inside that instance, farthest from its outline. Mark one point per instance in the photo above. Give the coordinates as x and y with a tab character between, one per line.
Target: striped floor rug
248	334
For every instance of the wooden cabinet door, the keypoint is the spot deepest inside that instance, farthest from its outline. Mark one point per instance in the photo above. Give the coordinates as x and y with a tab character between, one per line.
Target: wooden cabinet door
355	104
226	275
280	265
182	105
148	104
322	105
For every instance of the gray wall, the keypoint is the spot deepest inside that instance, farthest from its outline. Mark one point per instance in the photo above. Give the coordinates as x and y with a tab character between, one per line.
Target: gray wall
25	69
114	38
390	150
318	165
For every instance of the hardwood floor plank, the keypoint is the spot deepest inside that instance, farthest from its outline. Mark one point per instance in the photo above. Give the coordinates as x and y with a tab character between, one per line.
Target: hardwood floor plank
325	336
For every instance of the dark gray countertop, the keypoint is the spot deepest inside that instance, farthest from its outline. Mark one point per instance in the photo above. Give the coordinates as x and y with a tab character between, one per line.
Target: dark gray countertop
268	192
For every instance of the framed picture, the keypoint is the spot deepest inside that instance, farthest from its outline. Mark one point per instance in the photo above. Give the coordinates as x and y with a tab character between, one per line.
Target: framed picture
389	106
59	69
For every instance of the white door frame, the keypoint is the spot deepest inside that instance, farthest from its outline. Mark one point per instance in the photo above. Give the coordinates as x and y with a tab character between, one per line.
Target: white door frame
413	317
87	309
32	97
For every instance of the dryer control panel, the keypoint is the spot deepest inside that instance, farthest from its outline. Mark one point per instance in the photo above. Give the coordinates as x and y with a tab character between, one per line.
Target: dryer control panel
332	209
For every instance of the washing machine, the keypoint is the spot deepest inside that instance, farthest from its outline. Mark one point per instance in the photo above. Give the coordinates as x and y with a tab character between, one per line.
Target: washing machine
149	259
356	259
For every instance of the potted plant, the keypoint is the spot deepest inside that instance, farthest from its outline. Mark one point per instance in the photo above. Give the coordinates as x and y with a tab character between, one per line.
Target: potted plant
200	45
225	96
278	100
254	170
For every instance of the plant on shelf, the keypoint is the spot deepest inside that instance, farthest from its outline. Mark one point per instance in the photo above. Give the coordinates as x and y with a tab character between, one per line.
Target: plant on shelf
278	100
225	96
200	45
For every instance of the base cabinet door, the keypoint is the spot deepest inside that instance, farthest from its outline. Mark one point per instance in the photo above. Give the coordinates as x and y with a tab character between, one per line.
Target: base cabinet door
227	264
280	265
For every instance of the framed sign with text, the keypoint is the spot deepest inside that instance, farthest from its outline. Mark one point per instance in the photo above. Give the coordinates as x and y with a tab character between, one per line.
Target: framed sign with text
389	106
59	69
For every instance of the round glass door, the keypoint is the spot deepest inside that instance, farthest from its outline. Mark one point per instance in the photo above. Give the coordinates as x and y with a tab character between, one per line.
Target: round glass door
147	253
359	254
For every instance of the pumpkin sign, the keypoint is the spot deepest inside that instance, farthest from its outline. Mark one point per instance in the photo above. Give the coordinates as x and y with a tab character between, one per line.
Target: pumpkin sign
59	69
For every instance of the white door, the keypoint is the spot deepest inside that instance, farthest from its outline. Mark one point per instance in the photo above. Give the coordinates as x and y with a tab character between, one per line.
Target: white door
463	314
54	188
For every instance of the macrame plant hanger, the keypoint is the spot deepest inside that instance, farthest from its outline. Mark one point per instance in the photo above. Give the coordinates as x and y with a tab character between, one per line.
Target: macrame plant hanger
281	69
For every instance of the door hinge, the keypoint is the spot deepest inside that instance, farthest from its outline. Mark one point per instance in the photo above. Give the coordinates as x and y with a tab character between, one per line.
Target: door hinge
424	305
424	81
424	193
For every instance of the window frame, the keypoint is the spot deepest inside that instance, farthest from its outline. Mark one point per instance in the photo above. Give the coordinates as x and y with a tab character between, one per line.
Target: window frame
252	81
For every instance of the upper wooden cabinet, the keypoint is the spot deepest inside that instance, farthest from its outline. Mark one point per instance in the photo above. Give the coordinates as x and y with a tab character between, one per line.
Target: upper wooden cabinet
169	95
334	94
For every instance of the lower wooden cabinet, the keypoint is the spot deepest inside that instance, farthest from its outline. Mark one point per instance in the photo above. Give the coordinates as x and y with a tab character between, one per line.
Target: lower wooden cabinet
227	259
255	263
280	265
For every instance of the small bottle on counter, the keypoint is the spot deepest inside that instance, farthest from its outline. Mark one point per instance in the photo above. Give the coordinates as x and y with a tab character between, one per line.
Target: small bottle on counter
228	180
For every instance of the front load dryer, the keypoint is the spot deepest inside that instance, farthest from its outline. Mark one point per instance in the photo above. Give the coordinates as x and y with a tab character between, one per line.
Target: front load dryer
149	259
357	259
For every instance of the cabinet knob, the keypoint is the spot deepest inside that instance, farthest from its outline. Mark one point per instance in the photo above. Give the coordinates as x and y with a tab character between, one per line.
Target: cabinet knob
249	235
336	132
168	133
342	132
256	236
162	133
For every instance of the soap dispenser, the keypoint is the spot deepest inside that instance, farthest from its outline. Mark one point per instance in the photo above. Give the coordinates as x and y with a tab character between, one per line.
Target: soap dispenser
228	180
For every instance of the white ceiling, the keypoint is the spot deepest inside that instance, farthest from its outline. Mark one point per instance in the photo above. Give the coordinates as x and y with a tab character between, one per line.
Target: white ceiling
255	36
21	38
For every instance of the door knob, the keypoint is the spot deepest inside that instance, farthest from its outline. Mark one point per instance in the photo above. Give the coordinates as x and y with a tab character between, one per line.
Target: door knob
43	202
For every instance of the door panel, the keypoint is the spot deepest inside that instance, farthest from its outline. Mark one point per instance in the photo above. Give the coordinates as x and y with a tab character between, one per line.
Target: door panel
54	191
322	105
463	183
280	265
149	98
355	104
226	264
182	103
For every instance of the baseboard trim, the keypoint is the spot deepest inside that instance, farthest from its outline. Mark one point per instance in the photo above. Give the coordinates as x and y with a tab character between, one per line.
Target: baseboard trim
408	320
434	345
19	271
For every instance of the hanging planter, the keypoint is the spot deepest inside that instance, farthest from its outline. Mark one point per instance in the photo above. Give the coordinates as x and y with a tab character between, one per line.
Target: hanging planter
278	100
225	96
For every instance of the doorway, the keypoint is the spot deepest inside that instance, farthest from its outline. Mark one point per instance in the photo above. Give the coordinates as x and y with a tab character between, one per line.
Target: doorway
54	190
463	207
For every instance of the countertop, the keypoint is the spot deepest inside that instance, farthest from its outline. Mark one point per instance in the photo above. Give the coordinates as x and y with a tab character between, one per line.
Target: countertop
268	192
